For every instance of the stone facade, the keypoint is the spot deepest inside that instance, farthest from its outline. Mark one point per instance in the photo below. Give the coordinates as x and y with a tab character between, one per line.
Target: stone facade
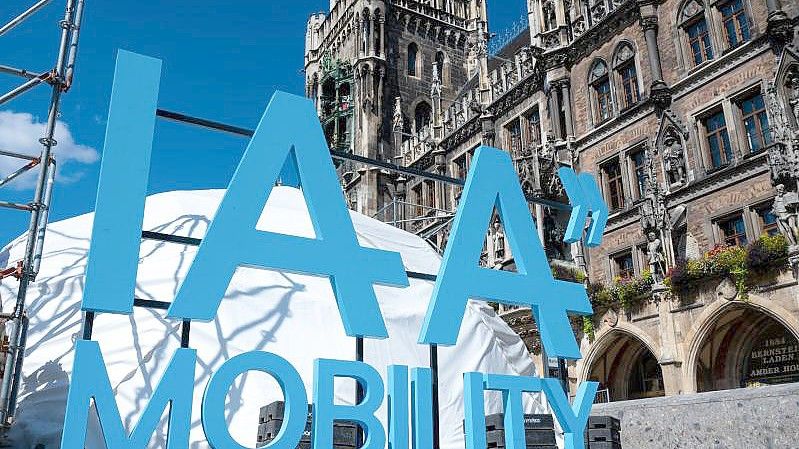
687	112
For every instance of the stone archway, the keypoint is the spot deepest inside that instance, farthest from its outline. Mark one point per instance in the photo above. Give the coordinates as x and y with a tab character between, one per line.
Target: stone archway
625	367
742	346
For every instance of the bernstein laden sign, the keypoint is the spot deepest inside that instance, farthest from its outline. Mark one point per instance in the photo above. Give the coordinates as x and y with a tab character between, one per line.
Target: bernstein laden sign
288	146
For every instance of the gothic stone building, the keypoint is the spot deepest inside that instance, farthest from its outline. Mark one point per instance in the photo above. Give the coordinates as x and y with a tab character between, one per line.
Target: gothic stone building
687	112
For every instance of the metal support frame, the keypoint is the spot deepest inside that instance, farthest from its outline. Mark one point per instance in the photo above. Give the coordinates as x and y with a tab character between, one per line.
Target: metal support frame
59	78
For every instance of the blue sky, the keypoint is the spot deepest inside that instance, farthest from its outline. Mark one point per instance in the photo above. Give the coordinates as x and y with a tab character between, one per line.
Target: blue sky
222	61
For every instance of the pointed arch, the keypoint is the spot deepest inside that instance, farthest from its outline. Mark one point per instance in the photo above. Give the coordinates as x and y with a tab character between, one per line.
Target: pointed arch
760	310
413	60
601	93
442	64
695	37
625	67
625	361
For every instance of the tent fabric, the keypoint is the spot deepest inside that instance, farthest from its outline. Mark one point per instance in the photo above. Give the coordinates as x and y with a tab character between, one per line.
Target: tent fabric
292	315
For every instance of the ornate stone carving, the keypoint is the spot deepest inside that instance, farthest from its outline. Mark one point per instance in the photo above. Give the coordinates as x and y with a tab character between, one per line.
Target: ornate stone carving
780	28
656	257
785	209
598	11
727	289
397	121
674	158
498	240
671	142
648	23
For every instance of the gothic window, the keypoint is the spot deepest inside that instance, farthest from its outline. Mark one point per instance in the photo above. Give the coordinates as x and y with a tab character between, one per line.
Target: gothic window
413	59
461	166
366	32
533	127
418	199
513	137
378	32
614	186
550	20
430	194
443	69
422	117
624	64
600	86
732	230
736	24
694	25
623	266
638	160
718	139
755	121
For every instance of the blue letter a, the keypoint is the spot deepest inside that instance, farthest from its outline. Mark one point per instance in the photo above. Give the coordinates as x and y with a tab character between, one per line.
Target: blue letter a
493	182
289	131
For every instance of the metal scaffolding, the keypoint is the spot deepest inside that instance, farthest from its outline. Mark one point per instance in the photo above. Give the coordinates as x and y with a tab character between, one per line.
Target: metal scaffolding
60	78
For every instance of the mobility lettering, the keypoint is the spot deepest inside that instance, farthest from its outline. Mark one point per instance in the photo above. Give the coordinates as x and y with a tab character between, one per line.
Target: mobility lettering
289	146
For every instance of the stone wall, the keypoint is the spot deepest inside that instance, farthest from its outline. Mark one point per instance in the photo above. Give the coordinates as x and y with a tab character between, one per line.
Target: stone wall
754	418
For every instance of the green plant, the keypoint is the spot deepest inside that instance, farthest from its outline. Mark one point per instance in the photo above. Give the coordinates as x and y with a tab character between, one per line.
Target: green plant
588	326
765	256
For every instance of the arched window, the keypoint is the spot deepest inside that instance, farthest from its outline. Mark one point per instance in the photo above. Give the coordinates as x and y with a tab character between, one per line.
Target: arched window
422	115
548	12
696	35
600	91
441	65
624	66
413	56
378	31
366	31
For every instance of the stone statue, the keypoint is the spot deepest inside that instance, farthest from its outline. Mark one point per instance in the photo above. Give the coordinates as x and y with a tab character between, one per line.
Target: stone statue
550	21
657	261
674	159
793	101
398	121
784	209
435	88
499	241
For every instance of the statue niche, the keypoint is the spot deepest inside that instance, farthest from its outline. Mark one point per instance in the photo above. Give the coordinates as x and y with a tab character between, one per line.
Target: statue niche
673	152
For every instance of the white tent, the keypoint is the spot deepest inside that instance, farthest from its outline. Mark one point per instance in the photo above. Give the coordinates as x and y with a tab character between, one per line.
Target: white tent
294	316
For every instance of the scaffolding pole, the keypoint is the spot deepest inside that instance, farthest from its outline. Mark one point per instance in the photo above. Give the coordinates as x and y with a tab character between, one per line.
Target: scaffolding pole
59	78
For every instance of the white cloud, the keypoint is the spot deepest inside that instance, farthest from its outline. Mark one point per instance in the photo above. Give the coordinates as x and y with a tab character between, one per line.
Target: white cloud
20	132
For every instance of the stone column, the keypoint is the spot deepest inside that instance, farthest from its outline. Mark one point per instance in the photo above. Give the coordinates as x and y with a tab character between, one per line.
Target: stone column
565	93
659	91
649	25
554	112
401	196
380	52
440	161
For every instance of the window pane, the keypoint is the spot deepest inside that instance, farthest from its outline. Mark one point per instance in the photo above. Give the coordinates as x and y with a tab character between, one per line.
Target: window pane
699	41
725	138
736	24
733	231
718	140
715	152
639	161
768	221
